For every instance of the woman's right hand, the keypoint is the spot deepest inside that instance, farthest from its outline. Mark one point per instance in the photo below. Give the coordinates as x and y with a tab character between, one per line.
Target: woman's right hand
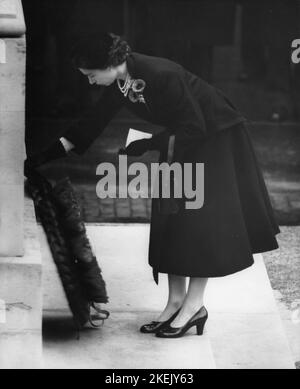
56	151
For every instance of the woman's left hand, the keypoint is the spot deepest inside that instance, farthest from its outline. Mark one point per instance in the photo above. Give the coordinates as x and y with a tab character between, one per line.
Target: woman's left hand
136	148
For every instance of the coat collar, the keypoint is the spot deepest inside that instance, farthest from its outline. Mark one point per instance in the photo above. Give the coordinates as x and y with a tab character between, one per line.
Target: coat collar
134	65
137	69
138	66
131	65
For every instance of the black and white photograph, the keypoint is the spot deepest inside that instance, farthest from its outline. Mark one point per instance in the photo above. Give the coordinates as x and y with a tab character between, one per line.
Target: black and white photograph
150	187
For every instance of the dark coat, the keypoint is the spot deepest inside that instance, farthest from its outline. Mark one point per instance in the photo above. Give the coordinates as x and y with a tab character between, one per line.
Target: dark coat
175	98
236	219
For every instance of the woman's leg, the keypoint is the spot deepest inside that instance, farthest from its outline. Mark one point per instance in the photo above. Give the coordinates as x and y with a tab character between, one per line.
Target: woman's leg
177	293
193	301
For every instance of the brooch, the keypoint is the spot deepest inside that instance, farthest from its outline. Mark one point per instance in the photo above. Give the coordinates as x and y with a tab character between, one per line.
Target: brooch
136	92
134	89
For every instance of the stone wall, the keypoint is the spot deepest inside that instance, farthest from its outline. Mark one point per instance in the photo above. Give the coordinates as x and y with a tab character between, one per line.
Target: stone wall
12	126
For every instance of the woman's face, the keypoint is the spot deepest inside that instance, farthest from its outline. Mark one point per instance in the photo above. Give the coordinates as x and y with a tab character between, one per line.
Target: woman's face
100	77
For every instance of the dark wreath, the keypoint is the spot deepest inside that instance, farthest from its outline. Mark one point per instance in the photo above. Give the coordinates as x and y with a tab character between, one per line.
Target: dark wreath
58	210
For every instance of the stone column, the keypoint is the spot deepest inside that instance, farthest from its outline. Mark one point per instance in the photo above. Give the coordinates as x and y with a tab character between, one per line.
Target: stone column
12	125
20	256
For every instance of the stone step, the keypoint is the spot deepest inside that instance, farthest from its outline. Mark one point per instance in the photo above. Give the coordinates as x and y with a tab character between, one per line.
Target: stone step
244	329
21	302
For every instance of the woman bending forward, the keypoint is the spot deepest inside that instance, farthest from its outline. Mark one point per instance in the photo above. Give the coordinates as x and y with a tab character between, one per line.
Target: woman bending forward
201	126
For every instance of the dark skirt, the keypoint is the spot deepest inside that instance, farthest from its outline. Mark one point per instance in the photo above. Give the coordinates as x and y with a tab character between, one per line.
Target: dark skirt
235	221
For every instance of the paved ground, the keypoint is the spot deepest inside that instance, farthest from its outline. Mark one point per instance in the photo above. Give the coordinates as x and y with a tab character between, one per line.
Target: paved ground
285	198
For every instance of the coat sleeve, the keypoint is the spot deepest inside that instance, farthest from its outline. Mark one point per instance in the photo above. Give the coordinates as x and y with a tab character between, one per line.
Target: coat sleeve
87	129
181	112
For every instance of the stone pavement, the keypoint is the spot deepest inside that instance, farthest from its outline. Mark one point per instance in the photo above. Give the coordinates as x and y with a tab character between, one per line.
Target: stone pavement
284	195
285	198
244	329
109	210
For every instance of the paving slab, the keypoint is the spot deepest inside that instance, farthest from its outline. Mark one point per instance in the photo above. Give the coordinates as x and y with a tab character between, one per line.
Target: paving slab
249	341
245	329
290	316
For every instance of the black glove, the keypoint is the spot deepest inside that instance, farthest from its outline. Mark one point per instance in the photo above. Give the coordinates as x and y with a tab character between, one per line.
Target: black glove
137	148
55	151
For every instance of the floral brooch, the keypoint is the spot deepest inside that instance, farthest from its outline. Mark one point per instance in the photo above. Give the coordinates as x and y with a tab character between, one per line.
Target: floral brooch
136	92
134	89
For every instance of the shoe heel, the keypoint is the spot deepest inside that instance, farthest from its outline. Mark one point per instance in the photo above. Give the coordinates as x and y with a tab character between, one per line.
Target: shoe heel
200	328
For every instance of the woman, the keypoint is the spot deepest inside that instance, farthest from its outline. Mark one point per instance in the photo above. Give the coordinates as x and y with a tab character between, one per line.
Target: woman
201	126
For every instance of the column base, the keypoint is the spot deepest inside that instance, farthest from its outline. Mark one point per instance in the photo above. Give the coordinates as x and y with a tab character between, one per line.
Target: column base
21	301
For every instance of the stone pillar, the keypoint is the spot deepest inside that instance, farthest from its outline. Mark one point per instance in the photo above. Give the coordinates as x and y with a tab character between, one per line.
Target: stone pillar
12	125
20	255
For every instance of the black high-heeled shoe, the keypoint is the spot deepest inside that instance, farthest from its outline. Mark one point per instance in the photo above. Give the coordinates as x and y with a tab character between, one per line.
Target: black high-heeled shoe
176	332
154	326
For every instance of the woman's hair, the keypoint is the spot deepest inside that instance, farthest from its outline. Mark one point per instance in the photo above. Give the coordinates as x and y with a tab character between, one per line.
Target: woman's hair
99	51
